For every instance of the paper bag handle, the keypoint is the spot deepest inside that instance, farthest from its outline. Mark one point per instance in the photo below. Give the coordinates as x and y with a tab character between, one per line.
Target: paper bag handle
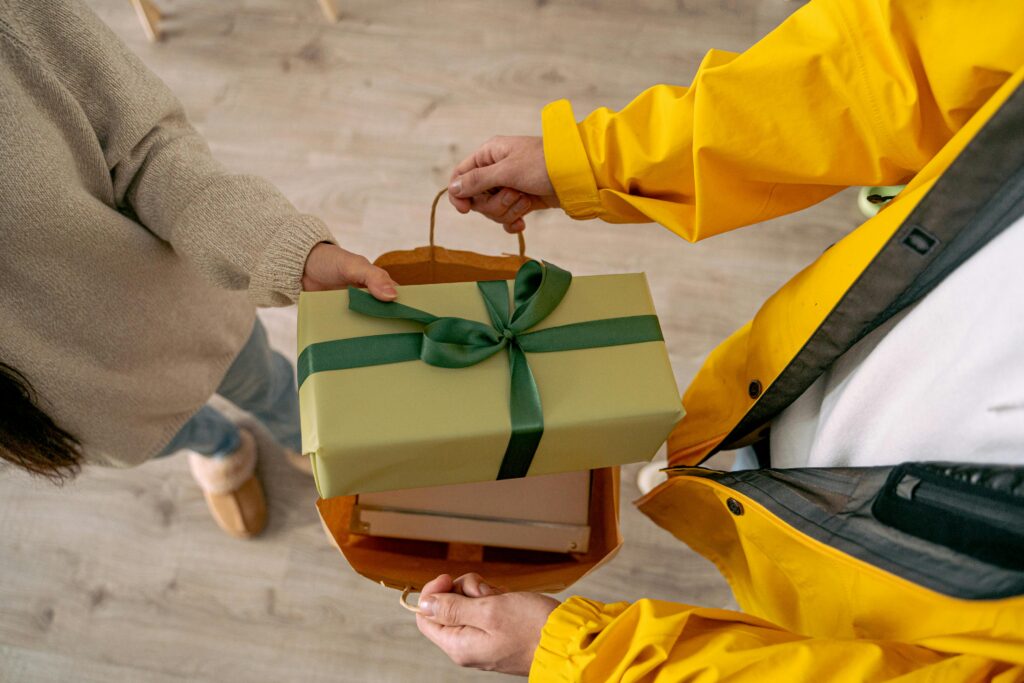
433	217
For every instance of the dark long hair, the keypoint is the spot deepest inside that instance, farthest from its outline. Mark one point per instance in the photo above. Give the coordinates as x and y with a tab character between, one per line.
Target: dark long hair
29	438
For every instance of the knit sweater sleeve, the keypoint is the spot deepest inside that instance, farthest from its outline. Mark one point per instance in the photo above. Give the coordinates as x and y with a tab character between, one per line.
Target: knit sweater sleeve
238	230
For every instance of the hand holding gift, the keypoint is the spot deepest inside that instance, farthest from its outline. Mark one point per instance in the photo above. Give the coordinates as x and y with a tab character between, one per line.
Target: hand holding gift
328	266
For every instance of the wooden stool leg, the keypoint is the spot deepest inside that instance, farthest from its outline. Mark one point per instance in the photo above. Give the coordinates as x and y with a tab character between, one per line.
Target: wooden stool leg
330	10
149	17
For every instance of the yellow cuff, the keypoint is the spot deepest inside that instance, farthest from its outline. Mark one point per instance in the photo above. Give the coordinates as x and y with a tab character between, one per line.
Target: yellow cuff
567	162
569	629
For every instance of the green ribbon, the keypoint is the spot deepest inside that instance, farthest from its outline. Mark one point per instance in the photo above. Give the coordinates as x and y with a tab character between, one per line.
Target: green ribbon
449	342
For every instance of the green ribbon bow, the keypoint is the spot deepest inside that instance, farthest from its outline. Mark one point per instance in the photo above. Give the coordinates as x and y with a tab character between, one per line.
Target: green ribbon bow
449	342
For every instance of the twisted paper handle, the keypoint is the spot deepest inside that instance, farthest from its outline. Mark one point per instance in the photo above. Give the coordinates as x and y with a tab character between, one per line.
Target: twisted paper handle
403	600
433	220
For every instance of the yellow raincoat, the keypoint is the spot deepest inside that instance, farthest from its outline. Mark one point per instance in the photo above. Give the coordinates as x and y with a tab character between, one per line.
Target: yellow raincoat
843	93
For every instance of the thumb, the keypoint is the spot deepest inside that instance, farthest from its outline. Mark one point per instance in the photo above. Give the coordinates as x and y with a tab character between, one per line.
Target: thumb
479	180
357	270
448	609
380	284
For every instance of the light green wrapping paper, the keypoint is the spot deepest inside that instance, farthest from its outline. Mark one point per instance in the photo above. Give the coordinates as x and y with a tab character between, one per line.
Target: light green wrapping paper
410	425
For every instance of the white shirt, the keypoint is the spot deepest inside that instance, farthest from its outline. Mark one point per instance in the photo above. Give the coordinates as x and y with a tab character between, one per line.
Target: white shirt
943	380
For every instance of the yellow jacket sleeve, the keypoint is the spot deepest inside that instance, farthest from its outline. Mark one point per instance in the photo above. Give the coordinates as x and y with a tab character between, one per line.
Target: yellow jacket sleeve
662	642
842	93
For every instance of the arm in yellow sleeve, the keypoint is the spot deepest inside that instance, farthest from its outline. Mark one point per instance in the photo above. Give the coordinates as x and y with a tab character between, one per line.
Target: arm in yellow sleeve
662	642
842	93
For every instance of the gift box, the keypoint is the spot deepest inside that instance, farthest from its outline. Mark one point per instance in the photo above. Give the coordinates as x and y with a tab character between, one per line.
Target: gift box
406	563
467	382
548	513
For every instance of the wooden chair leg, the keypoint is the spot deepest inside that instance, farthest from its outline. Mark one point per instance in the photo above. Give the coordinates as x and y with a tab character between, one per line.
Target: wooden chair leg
330	10
149	17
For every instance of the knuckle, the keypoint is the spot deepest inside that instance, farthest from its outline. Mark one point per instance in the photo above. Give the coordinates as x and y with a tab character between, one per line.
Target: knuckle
490	209
488	612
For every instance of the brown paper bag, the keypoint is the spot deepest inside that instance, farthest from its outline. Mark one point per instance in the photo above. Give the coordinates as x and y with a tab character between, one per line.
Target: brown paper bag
433	264
404	563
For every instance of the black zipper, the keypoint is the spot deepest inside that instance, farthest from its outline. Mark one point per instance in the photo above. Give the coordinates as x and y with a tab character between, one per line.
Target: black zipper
995	512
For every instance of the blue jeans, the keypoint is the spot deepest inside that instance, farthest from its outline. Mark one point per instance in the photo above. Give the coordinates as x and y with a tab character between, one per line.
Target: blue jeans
260	381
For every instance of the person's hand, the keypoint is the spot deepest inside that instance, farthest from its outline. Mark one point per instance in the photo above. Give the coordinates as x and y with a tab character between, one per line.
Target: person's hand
483	627
328	266
505	179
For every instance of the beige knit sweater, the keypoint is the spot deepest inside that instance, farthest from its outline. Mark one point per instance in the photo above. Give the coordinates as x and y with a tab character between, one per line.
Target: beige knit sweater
130	260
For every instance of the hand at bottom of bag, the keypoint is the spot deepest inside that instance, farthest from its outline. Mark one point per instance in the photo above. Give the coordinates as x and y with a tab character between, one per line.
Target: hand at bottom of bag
483	627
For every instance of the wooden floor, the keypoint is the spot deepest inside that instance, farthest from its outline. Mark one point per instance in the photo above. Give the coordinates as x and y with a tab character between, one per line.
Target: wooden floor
121	576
